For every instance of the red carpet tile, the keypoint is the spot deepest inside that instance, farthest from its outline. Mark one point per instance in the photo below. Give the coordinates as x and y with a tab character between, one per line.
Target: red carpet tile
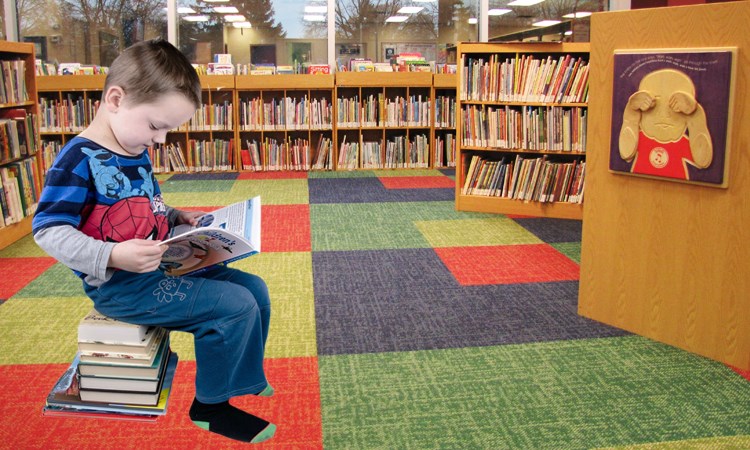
536	263
15	273
282	175
286	228
743	373
417	182
294	408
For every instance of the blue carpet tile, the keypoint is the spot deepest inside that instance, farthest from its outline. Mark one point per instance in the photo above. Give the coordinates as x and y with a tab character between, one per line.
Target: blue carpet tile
370	190
553	230
399	319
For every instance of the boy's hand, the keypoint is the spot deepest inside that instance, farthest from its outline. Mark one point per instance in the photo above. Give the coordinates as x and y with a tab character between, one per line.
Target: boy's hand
137	255
189	217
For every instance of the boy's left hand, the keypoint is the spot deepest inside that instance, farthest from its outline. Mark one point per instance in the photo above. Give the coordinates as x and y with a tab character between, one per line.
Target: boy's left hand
189	217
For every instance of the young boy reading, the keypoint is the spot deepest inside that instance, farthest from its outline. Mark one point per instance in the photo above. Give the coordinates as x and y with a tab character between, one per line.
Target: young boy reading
101	213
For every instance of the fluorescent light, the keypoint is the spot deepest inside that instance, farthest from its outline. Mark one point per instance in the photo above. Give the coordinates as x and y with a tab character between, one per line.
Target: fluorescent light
568	33
423	1
314	18
225	9
397	19
577	15
242	25
200	18
545	23
524	2
498	12
215	1
183	10
473	20
410	10
235	18
316	9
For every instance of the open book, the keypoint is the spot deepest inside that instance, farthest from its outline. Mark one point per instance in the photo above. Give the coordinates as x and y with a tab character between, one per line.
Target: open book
222	236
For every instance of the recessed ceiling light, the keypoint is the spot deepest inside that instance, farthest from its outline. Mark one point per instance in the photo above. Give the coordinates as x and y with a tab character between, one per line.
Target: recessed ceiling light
524	2
545	23
235	18
577	15
397	19
200	18
498	11
225	9
316	9
314	18
473	20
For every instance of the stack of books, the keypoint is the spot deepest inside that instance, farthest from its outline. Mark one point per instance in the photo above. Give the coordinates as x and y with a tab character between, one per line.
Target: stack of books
121	371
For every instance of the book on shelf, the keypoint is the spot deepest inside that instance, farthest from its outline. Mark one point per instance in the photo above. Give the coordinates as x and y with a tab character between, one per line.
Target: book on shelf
222	236
318	69
64	399
96	327
101	368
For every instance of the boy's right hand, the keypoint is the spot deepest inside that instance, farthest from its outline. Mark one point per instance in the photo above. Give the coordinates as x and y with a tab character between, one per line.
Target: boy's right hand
137	255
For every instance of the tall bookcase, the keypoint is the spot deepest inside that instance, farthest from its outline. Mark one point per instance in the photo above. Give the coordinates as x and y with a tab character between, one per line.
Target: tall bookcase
443	142
285	121
19	155
522	128
383	120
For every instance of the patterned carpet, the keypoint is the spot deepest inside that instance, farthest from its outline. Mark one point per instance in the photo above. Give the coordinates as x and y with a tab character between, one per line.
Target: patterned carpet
398	323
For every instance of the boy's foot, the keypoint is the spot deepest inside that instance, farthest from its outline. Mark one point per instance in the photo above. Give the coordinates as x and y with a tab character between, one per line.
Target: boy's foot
226	420
266	392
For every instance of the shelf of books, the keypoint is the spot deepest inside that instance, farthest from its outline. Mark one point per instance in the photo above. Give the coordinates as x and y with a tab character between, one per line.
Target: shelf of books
444	119
383	120
522	128
206	143
19	152
121	371
285	121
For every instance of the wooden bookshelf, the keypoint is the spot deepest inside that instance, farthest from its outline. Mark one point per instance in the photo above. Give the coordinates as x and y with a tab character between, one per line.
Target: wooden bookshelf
520	127
21	173
443	137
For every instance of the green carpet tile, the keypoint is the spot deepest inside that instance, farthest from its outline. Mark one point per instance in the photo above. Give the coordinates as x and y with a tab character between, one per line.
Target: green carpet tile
360	226
556	395
570	249
23	248
718	443
492	230
57	281
274	192
170	186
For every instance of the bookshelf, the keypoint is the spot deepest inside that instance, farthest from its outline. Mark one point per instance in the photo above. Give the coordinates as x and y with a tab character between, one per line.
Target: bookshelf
19	155
521	131
67	104
285	121
383	120
443	142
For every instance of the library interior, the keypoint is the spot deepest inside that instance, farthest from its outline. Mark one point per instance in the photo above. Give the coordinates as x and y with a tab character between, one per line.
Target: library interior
476	229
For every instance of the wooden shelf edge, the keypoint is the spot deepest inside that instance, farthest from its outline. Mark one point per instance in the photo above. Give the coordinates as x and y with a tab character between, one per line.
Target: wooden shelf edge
14	232
495	205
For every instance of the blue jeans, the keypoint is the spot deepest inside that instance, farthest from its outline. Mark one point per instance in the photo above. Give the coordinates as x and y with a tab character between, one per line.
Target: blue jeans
226	310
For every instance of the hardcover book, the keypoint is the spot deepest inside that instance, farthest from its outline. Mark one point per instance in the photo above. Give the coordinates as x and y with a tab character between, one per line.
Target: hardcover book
101	368
222	236
96	327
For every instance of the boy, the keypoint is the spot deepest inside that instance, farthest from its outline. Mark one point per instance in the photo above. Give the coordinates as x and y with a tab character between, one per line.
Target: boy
101	214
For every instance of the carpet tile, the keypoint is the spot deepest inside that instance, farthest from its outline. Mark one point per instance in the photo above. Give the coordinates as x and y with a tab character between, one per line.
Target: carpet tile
368	190
417	182
15	273
397	323
508	264
555	395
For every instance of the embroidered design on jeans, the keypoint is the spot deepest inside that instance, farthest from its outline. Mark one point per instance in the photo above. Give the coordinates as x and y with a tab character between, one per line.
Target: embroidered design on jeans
170	289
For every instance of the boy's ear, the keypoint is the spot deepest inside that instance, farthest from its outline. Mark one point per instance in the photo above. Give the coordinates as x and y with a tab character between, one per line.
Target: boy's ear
113	98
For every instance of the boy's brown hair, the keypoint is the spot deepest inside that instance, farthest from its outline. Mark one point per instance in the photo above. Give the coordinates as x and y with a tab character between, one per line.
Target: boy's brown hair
149	69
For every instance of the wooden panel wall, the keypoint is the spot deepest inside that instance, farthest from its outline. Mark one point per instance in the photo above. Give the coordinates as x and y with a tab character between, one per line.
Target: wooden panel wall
669	261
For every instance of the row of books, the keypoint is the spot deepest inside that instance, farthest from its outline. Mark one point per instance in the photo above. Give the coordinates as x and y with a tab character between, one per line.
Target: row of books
168	157
379	111
215	117
121	371
445	111
18	135
269	69
47	68
286	113
50	150
549	128
529	179
211	156
66	115
13	82
395	153
289	154
525	79
445	150
20	191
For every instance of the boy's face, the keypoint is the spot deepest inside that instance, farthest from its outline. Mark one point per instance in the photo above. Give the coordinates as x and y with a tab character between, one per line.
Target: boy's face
139	126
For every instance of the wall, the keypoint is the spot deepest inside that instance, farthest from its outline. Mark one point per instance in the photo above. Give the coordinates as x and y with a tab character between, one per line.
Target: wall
668	260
